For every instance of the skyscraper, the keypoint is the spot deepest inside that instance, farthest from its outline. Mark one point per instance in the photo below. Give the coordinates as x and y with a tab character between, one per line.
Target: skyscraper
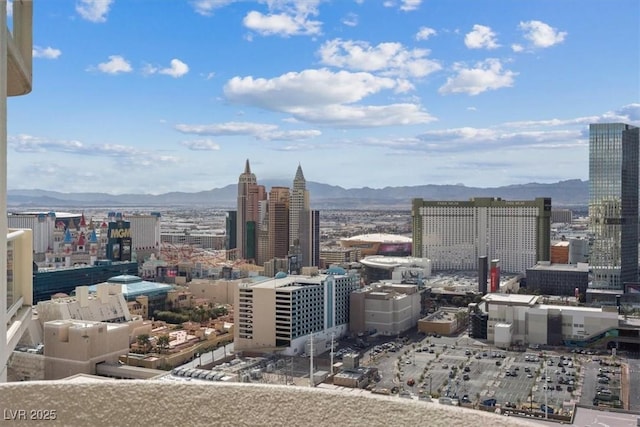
299	208
304	224
249	196
278	222
613	204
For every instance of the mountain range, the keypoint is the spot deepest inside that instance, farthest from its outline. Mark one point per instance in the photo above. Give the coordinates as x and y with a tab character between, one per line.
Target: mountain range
570	193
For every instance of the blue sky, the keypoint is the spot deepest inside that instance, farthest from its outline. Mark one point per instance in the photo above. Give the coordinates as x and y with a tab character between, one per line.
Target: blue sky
153	96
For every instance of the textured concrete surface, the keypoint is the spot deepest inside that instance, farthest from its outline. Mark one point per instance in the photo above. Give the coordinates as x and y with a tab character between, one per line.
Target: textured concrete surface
123	403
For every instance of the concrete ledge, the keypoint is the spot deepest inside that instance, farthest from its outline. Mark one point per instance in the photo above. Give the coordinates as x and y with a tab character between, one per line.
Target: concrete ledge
156	403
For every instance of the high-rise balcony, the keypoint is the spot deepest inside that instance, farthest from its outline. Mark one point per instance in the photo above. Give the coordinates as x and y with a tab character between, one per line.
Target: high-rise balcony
19	49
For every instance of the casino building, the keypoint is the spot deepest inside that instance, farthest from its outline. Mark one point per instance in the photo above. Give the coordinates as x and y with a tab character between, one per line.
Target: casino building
379	244
454	234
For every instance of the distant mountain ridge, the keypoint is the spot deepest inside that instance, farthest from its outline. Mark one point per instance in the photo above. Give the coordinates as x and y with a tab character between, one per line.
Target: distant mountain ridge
570	193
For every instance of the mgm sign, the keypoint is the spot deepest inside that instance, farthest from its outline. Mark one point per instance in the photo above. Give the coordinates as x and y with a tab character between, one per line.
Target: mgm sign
119	241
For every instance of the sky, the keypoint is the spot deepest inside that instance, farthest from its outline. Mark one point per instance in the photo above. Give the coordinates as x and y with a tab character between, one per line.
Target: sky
154	96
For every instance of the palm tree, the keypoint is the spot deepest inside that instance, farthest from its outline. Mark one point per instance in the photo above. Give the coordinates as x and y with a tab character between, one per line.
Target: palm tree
144	341
163	342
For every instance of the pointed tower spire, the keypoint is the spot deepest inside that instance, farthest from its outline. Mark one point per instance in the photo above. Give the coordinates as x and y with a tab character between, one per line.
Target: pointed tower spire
299	174
247	168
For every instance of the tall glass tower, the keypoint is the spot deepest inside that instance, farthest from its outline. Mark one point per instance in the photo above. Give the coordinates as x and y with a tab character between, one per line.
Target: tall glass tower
613	204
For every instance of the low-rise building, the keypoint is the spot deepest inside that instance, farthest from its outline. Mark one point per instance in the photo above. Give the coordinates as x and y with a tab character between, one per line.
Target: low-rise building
443	322
522	320
558	279
387	308
76	347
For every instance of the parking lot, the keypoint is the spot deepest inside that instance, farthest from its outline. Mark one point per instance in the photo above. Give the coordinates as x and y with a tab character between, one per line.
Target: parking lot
601	384
472	372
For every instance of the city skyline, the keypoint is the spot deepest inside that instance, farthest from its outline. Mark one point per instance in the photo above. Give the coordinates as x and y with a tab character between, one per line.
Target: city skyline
506	96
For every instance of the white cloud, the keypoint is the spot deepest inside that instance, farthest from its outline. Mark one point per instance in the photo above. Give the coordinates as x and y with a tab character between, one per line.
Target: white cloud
389	59
206	7
261	131
409	5
93	10
46	52
405	5
31	144
304	89
424	33
517	47
486	75
177	69
481	37
472	139
281	24
318	96
289	135
541	34
201	145
629	113
228	128
9	8
351	20
210	75
115	65
355	116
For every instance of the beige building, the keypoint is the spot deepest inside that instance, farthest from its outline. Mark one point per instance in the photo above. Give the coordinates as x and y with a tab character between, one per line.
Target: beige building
16	246
276	265
339	256
280	314
389	309
106	305
76	347
217	291
443	322
521	320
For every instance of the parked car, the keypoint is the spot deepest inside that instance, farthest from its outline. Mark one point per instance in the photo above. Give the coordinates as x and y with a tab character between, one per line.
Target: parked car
547	409
489	402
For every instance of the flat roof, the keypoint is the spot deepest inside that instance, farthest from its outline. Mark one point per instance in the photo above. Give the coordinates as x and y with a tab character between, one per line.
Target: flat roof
59	215
138	287
289	282
583	267
379	237
389	262
575	308
511	298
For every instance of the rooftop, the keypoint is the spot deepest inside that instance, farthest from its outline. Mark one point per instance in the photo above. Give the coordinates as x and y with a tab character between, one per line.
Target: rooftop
581	266
511	299
379	237
134	286
390	262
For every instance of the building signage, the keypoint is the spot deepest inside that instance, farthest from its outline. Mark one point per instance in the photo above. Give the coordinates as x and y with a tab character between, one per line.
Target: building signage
119	233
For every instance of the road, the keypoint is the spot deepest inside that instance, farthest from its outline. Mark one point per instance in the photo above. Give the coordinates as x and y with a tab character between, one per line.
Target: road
595	418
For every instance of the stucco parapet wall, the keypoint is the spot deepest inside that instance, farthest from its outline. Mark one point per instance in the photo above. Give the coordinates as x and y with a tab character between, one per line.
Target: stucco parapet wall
123	403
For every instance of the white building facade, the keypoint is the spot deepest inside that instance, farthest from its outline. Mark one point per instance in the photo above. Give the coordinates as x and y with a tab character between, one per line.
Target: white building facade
281	314
453	234
521	320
